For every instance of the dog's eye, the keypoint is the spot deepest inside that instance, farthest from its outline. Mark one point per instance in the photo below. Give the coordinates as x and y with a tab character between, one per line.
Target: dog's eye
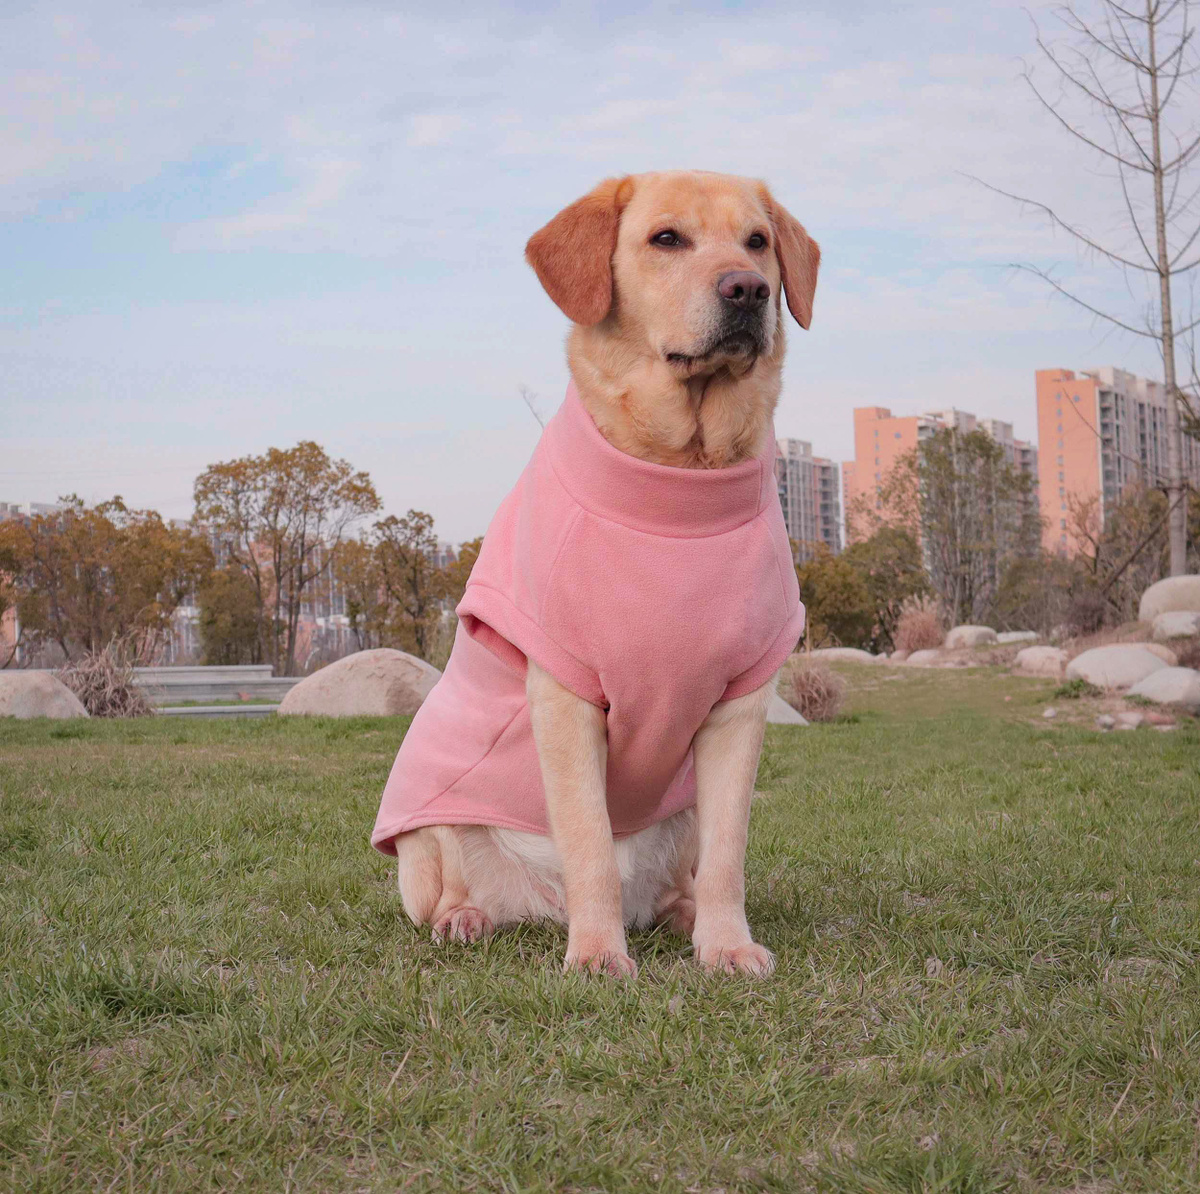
667	238
757	241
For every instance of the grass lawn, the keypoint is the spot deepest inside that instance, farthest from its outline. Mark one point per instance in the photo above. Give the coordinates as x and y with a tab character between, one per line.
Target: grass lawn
987	925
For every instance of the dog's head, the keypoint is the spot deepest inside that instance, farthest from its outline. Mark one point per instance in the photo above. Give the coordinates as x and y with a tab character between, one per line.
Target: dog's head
688	265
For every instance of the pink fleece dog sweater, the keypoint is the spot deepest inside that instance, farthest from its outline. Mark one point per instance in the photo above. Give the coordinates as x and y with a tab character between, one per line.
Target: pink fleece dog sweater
652	592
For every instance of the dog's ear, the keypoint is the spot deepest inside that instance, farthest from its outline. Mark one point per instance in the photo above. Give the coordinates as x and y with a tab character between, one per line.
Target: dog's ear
799	258
572	255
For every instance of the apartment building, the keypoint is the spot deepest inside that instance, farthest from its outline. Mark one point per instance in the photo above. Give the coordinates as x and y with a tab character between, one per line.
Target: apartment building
881	439
27	509
809	492
1020	453
1101	431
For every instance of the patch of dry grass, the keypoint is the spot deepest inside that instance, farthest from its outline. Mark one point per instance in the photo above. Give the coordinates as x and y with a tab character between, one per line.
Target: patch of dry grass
920	626
105	683
814	690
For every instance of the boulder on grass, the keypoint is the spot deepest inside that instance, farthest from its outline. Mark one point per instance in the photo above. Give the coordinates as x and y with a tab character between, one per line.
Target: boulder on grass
1164	653
1176	623
1174	593
378	683
780	713
970	636
846	655
930	657
26	695
1041	661
1171	686
1116	666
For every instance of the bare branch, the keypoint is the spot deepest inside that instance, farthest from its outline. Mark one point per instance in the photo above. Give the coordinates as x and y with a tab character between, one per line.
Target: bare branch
1187	203
1125	12
528	396
1103	99
1187	244
1045	277
1134	222
1060	223
1125	53
1184	158
1141	545
1108	153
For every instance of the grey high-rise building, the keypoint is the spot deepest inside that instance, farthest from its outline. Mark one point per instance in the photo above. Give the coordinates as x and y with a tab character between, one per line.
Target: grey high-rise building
810	494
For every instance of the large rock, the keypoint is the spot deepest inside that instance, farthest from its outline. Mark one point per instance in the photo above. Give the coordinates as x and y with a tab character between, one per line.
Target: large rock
1041	661
846	655
379	683
970	636
37	694
1164	653
1171	686
780	713
1006	638
931	657
1176	623
1174	593
1117	666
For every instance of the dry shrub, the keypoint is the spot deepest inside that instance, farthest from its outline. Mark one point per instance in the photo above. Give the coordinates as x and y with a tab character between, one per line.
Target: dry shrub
1087	612
815	691
1187	651
919	627
103	680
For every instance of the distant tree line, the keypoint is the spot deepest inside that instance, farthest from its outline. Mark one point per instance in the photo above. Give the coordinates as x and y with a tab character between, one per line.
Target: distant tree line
271	533
954	525
83	576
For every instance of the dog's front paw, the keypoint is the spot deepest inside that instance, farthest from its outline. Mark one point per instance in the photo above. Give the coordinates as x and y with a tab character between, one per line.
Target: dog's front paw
736	959
461	924
591	956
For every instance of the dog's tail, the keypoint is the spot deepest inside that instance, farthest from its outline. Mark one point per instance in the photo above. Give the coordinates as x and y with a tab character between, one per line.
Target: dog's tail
419	855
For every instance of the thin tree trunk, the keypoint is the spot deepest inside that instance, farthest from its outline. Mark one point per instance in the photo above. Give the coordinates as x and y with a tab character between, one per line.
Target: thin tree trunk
1177	525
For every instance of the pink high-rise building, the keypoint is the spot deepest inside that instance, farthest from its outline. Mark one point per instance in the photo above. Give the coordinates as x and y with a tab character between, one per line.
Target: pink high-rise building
1100	431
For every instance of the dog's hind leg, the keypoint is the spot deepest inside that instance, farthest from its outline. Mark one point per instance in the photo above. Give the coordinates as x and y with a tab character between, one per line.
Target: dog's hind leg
433	887
676	907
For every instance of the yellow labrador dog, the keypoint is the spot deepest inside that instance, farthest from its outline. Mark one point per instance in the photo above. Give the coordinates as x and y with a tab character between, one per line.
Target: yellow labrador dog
673	283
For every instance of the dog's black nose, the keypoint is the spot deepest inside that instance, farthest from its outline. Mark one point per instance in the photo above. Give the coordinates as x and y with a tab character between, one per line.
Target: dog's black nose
744	288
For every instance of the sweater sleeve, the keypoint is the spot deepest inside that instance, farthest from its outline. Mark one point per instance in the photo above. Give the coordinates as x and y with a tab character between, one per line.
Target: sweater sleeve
494	620
774	658
517	582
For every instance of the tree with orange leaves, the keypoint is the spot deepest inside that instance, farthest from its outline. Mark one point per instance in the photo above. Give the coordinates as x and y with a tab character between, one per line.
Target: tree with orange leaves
281	517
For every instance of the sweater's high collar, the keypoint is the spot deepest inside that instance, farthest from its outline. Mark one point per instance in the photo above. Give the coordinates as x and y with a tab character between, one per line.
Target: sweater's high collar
655	498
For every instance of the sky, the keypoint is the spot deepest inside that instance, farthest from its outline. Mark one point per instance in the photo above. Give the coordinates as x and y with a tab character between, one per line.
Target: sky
232	226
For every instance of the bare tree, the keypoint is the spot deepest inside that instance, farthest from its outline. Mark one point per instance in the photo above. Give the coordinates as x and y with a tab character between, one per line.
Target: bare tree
1134	67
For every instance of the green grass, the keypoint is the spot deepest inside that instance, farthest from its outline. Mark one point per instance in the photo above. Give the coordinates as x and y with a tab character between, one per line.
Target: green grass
987	928
1073	690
